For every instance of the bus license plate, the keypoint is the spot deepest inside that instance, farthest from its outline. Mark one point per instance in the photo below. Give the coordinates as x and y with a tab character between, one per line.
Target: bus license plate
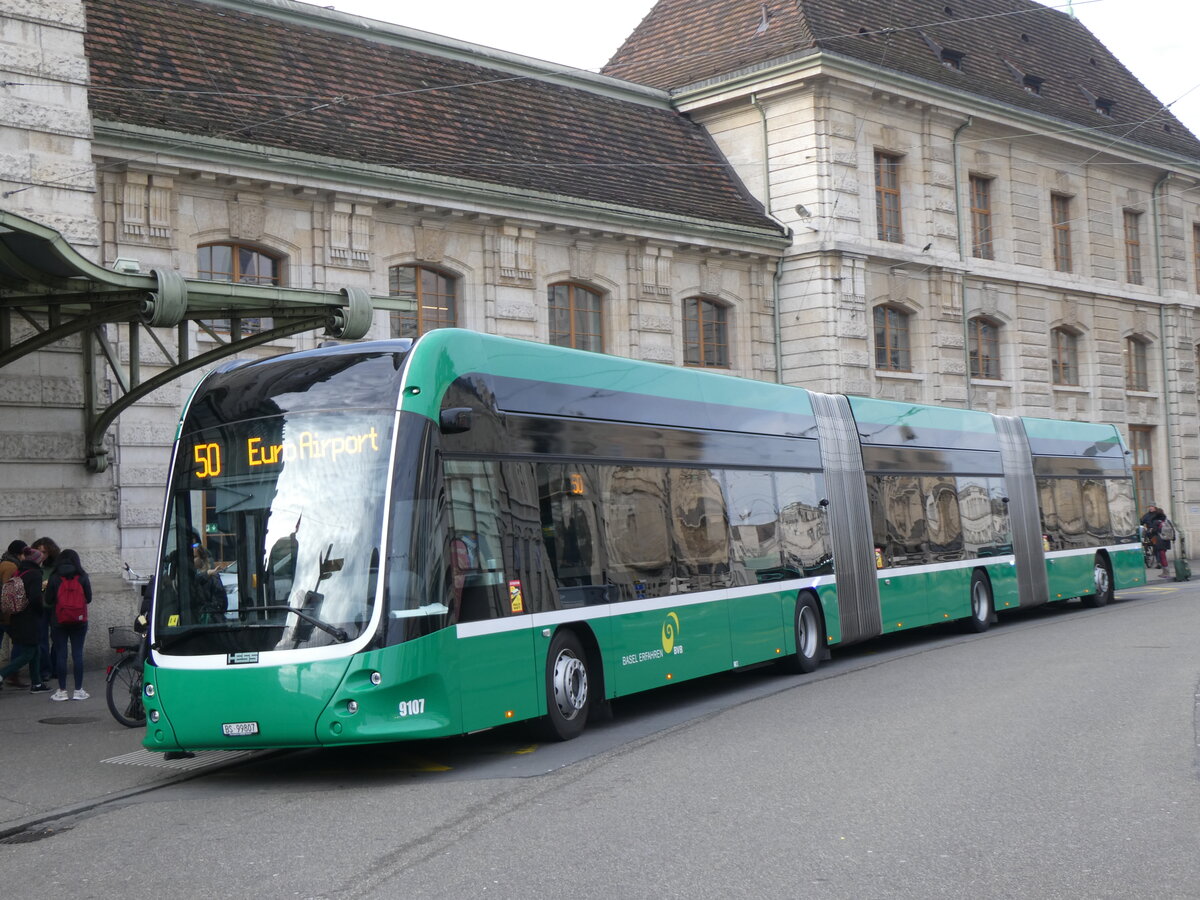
239	729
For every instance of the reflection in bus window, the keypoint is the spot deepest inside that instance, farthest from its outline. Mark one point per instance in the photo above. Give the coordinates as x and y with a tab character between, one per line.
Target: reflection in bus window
942	518
1061	502
1121	509
984	516
802	521
1095	511
638	539
755	545
898	518
476	497
699	529
570	514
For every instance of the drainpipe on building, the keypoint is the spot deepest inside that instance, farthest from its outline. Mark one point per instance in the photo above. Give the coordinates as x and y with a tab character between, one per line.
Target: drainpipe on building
778	277
1162	330
962	256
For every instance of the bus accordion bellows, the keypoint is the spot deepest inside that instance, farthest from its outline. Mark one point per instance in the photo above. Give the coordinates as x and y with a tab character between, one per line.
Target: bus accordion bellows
410	539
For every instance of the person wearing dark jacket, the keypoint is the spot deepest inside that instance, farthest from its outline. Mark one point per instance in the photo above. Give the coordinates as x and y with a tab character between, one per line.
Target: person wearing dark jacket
50	551
23	626
10	560
68	567
1160	544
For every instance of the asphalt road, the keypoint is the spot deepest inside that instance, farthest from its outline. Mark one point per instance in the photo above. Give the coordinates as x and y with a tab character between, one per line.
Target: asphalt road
1054	756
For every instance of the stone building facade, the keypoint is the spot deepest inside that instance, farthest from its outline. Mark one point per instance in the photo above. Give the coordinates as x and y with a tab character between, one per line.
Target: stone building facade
1044	257
866	217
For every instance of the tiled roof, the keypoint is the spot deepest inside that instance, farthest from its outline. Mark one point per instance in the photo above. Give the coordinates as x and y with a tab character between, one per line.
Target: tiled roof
682	42
357	94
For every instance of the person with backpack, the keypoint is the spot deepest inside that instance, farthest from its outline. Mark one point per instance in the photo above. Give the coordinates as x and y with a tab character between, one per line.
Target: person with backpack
1162	532
68	594
10	561
21	598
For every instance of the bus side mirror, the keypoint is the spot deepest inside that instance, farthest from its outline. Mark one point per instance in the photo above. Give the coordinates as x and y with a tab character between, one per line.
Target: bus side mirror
456	420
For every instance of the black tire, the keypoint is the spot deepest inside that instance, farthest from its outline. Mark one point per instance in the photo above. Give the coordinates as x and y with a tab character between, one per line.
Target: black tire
568	696
124	692
1102	573
980	618
810	631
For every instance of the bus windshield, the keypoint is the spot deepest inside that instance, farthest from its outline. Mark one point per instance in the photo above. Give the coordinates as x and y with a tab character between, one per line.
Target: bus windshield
273	533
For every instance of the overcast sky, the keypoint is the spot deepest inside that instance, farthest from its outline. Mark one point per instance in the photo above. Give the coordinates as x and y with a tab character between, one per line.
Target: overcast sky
1158	40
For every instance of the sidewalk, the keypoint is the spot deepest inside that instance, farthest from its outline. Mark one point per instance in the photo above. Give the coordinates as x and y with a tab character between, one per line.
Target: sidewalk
65	757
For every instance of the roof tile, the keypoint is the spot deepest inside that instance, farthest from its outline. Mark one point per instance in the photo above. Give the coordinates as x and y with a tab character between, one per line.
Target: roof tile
682	42
204	69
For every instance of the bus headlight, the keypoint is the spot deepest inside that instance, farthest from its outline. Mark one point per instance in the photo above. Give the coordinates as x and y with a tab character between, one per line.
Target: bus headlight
149	690
376	678
154	715
352	706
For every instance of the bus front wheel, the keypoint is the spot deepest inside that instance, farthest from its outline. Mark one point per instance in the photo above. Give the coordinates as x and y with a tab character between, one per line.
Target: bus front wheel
567	692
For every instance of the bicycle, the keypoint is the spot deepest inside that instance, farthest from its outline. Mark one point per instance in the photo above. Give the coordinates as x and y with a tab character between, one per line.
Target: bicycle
123	684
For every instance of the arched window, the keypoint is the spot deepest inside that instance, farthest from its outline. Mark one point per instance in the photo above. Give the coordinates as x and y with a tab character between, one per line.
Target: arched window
1064	356
240	264
1137	365
434	295
984	335
575	317
705	333
893	352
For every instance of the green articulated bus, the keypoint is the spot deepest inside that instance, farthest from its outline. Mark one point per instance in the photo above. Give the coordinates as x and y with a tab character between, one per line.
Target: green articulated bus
411	539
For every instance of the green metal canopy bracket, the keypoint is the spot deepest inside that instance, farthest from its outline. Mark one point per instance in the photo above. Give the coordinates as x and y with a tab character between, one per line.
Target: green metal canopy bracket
54	292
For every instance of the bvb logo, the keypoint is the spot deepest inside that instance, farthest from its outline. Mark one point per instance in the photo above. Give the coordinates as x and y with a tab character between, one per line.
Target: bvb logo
669	630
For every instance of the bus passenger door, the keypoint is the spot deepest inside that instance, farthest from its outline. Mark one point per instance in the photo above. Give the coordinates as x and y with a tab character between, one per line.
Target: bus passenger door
495	570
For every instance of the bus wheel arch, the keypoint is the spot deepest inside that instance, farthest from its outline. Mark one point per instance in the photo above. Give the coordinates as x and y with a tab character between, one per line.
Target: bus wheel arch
571	681
983	603
809	632
1102	575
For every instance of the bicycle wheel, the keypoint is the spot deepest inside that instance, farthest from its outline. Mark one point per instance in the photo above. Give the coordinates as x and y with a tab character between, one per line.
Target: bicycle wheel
124	692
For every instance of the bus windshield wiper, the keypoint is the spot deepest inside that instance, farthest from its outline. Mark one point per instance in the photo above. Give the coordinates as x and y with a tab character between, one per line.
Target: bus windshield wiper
338	634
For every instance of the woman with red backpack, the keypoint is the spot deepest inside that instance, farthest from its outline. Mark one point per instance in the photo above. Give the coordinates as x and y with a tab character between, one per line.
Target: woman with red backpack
68	594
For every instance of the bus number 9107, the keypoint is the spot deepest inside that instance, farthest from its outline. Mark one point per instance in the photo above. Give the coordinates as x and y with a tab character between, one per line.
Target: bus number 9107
412	707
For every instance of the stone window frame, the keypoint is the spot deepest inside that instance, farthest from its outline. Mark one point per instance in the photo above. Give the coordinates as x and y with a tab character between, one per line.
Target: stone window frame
1136	351
1064	356
1131	221
889	219
983	237
572	336
897	342
700	351
236	275
1060	231
413	324
987	365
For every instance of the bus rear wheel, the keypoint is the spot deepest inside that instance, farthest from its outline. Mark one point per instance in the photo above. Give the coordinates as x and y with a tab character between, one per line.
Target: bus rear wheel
808	637
981	604
567	691
1102	575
